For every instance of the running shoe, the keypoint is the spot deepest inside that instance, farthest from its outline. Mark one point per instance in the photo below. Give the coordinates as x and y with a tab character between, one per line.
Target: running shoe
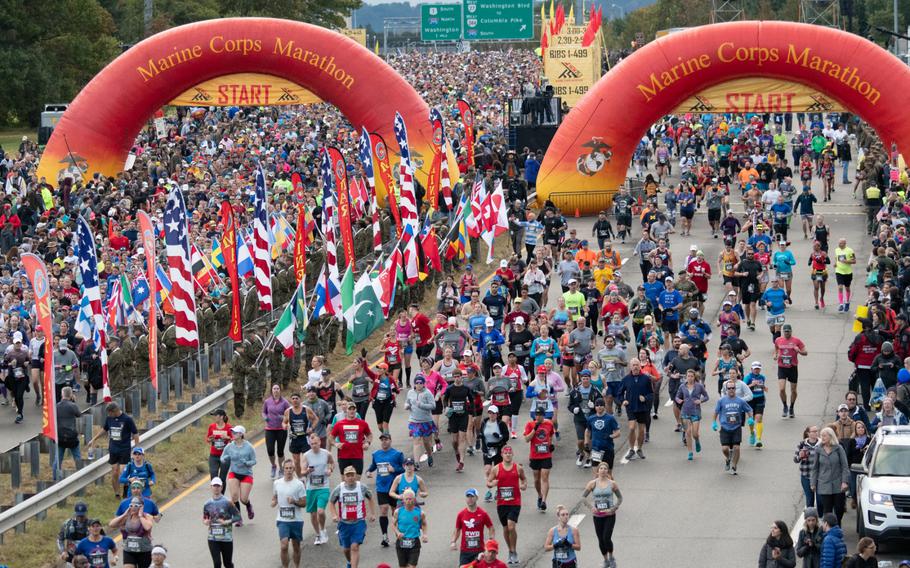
690	456
580	460
733	471
470	450
759	444
840	308
459	468
238	524
19	419
821	303
647	437
513	559
543	506
698	445
640	454
727	466
847	307
678	428
816	306
438	446
791	413
249	511
556	433
752	439
274	471
514	435
488	497
630	455
587	463
424	457
654	416
784	413
430	461
385	541
477	444
324	536
539	506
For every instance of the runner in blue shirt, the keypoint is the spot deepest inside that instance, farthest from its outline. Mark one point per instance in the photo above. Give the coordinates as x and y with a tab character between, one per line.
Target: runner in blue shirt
755	380
775	300
96	547
728	417
669	301
784	261
759	237
780	213
602	430
387	464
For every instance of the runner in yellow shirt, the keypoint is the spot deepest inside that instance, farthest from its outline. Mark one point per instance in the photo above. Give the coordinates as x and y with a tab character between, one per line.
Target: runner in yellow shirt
844	259
575	300
603	275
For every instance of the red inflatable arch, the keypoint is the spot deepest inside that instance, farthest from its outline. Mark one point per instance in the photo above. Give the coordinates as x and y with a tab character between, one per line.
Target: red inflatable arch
99	127
589	156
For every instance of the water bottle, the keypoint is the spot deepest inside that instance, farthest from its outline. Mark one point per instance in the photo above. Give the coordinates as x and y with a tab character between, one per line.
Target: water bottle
91	454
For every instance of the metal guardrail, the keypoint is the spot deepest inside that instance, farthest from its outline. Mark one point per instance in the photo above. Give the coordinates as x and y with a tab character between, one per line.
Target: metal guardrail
30	508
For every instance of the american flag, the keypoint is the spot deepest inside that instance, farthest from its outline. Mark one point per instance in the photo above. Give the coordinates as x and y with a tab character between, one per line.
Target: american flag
88	270
406	173
366	158
332	285
262	256
176	239
445	181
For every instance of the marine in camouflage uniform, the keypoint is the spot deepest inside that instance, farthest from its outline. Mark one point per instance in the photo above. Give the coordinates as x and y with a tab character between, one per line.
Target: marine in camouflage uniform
128	352
205	321
250	305
142	357
241	370
223	316
167	355
116	374
256	382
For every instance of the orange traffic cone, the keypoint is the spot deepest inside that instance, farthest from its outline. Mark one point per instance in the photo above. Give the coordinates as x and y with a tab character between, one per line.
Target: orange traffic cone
577	215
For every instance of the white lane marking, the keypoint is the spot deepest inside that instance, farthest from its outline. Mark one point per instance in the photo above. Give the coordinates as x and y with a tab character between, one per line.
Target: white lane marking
576	520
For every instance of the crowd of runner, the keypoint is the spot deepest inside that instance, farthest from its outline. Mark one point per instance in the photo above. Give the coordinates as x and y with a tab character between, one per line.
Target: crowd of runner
511	369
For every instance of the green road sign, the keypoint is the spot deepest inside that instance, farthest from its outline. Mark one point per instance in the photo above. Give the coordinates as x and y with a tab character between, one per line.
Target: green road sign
498	19
440	22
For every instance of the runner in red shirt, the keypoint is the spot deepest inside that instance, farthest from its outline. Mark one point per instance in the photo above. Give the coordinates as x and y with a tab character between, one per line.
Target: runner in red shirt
509	479
539	433
218	436
352	436
422	329
470	525
700	272
392	352
613	304
489	558
787	349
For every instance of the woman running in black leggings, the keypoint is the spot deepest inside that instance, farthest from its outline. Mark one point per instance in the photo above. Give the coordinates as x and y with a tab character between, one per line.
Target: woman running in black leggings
603	498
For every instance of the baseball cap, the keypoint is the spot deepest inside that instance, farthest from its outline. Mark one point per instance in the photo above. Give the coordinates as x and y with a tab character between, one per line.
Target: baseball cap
238	430
648	319
693	310
409	461
470	492
787	327
519	320
452	321
17	337
843	407
542	369
385	435
62	343
573	281
728	303
382	365
468	353
585	373
493	409
756	364
80	508
503	263
617	273
468	267
497	365
216	481
489	322
693	247
138	450
491	545
350	469
420	379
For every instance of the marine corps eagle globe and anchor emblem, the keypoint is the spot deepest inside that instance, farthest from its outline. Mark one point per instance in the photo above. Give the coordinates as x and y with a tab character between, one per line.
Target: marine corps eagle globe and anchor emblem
596	158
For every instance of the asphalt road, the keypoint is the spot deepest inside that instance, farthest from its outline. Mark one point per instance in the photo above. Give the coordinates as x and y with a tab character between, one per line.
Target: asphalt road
675	512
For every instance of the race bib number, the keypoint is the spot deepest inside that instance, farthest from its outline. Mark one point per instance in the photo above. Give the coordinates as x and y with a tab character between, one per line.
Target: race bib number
597	455
472	540
18	372
116	433
384	468
216	531
382	395
407	543
609	366
602	504
819	277
286	513
218	443
360	390
786	360
732	418
317	480
561	554
99	560
458	406
728	267
133	544
500	397
506	493
784	275
350	436
542	448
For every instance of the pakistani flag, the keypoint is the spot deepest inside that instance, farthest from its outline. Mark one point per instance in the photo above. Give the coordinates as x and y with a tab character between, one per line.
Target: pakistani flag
362	310
295	313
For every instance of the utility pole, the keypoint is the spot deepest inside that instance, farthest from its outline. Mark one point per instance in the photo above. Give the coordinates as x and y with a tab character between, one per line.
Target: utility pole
147	17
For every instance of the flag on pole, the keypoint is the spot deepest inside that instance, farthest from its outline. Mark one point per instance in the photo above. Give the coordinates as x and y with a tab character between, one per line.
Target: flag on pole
467	120
88	270
474	217
411	267
496	220
229	230
437	145
36	271
178	259
332	287
381	162
293	317
362	310
244	257
300	243
343	199
147	233
217	254
140	290
445	181
406	175
262	268
430	248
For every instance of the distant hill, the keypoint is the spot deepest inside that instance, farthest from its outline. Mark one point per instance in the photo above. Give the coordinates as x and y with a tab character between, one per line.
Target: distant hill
372	16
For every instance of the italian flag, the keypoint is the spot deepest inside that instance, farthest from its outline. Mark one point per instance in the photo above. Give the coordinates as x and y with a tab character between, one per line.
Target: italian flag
294	313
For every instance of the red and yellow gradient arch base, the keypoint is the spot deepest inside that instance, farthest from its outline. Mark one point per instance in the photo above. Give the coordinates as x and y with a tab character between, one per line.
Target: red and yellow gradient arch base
588	158
102	122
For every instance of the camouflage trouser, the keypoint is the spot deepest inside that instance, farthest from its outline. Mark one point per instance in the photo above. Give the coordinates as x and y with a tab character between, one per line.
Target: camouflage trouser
871	212
239	382
256	385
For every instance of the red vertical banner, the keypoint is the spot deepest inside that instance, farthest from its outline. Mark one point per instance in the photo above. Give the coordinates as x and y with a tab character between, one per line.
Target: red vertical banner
467	119
381	158
37	275
229	248
147	231
434	178
300	242
339	171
